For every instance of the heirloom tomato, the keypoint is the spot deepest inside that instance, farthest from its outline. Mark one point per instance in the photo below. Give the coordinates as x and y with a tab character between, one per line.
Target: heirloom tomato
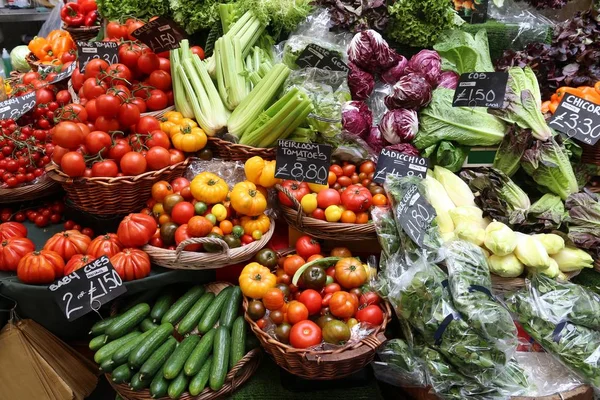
12	250
296	189
11	230
131	264
136	230
68	243
106	245
305	334
40	267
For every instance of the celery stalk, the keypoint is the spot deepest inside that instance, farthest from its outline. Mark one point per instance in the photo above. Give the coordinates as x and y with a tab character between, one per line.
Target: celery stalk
294	119
219	113
181	98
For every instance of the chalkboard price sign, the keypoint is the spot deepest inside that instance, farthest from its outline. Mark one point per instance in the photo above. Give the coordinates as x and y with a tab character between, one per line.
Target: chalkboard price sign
88	51
481	89
15	107
65	74
160	35
577	118
416	215
304	162
314	56
400	164
87	288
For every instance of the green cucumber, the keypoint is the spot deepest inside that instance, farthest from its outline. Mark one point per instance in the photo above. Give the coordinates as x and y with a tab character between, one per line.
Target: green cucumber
191	319
174	364
211	315
238	341
199	381
218	369
121	374
100	327
106	352
178	386
107	366
97	342
158	358
162	305
138	383
122	355
183	305
159	386
147	324
200	354
144	350
128	321
231	308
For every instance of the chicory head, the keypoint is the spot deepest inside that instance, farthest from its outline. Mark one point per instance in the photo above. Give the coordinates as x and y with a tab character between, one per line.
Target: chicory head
412	91
399	126
360	82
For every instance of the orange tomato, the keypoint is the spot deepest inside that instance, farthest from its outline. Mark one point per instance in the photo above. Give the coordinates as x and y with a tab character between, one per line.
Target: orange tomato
226	226
362	218
296	312
160	190
340	252
332	178
379	200
217	230
314	257
292	264
164	218
348	217
273	299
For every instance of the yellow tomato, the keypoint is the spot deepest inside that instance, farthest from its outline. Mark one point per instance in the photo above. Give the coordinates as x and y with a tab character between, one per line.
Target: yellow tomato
333	213
169	113
219	211
176	118
167	126
158	209
188	139
309	203
189	122
255	280
317	188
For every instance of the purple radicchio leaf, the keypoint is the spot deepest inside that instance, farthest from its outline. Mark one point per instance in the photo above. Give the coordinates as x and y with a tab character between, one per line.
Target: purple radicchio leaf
375	139
399	126
405	148
360	82
393	74
448	80
369	50
357	118
412	91
427	63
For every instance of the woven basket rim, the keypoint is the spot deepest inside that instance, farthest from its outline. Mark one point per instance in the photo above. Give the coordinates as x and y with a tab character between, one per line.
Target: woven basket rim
500	283
28	192
237	146
81	29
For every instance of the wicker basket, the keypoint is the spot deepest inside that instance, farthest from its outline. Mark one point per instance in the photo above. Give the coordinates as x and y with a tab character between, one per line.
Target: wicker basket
190	260
113	196
229	151
239	374
508	285
579	393
317	228
326	364
44	188
85	33
33	62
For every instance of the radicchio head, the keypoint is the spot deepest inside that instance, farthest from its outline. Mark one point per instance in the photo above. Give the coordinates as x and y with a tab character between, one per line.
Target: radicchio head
448	80
405	148
361	83
412	91
427	63
357	118
392	75
369	50
399	126
375	139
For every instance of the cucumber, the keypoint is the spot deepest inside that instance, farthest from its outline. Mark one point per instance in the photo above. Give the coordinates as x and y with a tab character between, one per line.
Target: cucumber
200	354
158	358
174	364
231	308
138	383
211	315
127	321
97	342
147	324
106	352
238	341
159	386
183	305
122	355
108	366
191	319
178	386
121	374
218	369
162	305
100	327
144	350
145	297
199	381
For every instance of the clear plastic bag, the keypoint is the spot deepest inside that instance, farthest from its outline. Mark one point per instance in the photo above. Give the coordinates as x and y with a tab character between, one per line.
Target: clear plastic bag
471	286
387	231
546	374
231	171
53	22
399	366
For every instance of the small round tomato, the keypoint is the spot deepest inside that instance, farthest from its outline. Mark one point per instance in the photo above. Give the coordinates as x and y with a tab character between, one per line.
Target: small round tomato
337	170
343	304
305	334
296	312
133	163
319	213
333	213
182	212
332	288
307	246
312	300
371	315
292	264
367	167
340	252
369	298
277	317
273	299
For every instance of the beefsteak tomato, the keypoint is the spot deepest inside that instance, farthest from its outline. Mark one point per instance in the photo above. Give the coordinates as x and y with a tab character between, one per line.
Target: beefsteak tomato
40	267
131	264
357	198
343	304
350	273
106	245
136	230
297	190
12	250
12	230
305	334
68	243
76	262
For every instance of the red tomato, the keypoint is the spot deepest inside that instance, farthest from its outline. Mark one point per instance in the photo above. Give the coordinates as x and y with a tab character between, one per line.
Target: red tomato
328	197
131	264
76	262
107	105
58	154
117	74
198	50
319	213
160	80
107	245
133	163
94	68
119	149
349	169
141	104
182	234
157	101
135	230
343	304
305	334
369	298
297	189
120	91
296	312
179	183
98	141
73	164
68	243
12	251
158	138
177	156
148	62
106	168
165	64
371	315
10	230
129	53
129	114
307	246
332	287
63	97
107	124
182	212
68	134
246	239
134	25
116	30
92	110
356	198
312	300
158	158
43	96
147	124
92	88
73	112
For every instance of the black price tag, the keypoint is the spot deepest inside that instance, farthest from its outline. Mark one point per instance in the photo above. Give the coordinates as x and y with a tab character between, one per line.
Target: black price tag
65	74
400	164
481	89
88	51
160	35
304	162
577	118
416	215
87	288
315	56
15	107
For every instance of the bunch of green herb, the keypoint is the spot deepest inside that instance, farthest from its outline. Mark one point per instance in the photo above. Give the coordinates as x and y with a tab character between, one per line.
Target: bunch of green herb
120	10
406	366
470	286
387	231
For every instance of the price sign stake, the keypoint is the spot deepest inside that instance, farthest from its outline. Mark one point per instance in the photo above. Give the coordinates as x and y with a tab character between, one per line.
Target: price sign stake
87	288
400	164
416	215
577	118
15	107
314	56
88	51
304	162
481	89
160	35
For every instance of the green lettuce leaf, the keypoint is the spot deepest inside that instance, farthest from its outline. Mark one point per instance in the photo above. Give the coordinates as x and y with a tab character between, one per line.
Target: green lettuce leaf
463	52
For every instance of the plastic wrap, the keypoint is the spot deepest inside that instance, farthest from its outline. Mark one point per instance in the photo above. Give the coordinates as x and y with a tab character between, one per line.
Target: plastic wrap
231	171
471	286
546	374
387	231
399	366
53	22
